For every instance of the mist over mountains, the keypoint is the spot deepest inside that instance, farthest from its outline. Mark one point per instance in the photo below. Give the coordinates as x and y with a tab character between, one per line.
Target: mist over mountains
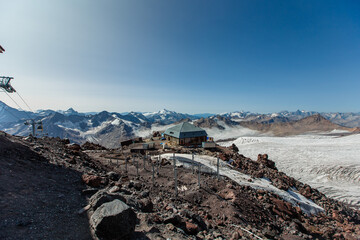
109	128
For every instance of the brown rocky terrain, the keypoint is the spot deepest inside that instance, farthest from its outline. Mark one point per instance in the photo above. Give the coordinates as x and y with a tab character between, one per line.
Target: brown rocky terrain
56	190
207	123
356	130
212	122
308	124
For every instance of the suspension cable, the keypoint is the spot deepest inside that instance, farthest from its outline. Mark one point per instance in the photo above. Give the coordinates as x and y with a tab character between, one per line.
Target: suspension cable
14	101
24	101
18	105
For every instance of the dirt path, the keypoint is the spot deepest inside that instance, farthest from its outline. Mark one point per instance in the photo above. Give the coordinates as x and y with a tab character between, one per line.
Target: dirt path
38	200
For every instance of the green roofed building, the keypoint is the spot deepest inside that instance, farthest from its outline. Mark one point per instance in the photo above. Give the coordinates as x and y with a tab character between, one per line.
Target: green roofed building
185	134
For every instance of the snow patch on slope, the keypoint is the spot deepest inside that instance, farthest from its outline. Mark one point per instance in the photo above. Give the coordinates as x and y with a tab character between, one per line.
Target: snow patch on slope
291	196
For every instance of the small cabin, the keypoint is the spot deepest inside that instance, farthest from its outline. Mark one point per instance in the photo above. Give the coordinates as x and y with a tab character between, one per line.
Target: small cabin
185	134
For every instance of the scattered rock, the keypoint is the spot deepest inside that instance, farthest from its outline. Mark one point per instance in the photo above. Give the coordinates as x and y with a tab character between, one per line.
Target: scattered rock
264	159
146	205
113	220
135	184
114	189
174	219
234	148
165	162
283	209
191	228
73	146
92	146
91	180
113	176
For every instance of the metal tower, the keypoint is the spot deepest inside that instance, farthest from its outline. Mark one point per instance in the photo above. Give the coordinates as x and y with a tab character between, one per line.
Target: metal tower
5	84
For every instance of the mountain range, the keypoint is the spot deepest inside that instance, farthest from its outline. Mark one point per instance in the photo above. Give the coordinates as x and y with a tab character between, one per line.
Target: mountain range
109	128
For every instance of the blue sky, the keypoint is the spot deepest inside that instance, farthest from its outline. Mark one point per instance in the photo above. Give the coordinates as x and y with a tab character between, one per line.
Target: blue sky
186	56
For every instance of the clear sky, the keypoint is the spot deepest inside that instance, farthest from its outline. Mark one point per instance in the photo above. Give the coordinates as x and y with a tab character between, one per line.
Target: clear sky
187	56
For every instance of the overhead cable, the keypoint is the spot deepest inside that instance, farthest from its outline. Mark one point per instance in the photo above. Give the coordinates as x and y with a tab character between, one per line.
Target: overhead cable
24	101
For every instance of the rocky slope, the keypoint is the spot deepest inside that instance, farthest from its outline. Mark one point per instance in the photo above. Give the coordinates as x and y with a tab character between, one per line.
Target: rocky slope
44	175
38	200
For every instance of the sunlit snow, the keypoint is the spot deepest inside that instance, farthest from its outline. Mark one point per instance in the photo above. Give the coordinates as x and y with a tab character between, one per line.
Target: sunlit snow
328	163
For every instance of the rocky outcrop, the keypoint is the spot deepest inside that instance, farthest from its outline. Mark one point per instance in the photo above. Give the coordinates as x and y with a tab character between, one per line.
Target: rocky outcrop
113	220
264	159
208	123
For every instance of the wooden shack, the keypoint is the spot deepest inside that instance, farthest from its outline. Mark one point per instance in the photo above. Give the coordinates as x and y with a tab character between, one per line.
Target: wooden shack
185	134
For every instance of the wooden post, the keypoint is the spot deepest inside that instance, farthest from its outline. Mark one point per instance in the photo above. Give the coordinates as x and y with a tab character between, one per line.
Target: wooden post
153	174
137	168
157	166
218	172
144	161
199	175
175	177
159	163
193	163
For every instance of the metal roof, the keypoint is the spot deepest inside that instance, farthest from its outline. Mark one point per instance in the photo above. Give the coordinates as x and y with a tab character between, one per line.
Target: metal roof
185	130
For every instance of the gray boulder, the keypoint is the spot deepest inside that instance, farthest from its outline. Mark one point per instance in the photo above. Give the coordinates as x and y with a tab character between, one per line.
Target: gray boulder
103	196
113	220
113	176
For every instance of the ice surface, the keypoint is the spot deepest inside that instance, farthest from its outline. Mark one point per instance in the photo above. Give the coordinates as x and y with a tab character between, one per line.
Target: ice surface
328	163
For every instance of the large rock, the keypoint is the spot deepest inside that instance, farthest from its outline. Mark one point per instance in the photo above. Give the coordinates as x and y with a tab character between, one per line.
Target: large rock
102	197
284	209
234	148
264	159
191	228
113	220
91	180
113	176
73	146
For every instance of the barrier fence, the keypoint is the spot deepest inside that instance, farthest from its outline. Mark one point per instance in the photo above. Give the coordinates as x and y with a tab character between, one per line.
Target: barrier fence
154	162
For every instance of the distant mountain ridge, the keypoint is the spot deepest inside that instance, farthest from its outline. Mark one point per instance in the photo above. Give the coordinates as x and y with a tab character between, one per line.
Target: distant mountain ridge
109	128
311	123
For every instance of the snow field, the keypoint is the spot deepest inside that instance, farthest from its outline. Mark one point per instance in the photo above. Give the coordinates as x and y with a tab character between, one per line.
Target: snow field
330	164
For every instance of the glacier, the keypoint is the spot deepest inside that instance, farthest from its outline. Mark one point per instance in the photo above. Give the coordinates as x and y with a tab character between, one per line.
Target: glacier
329	163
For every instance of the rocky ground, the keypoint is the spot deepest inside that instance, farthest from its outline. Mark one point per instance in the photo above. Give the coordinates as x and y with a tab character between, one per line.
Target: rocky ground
38	200
57	190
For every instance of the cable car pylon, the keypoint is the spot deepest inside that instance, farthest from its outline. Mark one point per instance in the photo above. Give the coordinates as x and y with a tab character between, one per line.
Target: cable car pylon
36	125
5	84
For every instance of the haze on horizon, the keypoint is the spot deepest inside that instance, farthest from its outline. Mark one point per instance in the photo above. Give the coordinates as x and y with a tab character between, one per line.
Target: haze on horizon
186	56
